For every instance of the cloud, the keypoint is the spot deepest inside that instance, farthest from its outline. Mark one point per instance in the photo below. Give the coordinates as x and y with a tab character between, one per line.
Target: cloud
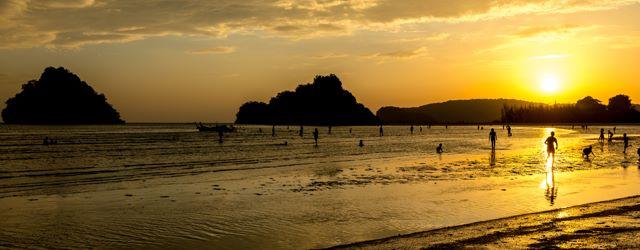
550	57
401	54
75	23
214	50
544	30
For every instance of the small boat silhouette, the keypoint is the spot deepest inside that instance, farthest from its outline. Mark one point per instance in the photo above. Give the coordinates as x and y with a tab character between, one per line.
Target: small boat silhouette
216	128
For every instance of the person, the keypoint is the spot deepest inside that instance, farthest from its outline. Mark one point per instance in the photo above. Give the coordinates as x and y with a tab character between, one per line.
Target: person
439	149
587	151
601	138
614	130
220	136
411	129
329	129
273	131
610	135
478	127
625	139
550	147
350	130
301	131
285	143
420	129
509	130
446	126
381	131
361	144
493	137
315	136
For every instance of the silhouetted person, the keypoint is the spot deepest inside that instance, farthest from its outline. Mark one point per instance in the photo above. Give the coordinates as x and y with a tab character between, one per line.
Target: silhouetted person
285	143
610	135
478	127
601	138
439	149
381	131
411	129
551	140
301	131
260	130
492	158
315	136
614	130
220	136
625	139
329	129
350	129
420	129
587	151
446	126
429	126
273	131
361	144
509	130
492	138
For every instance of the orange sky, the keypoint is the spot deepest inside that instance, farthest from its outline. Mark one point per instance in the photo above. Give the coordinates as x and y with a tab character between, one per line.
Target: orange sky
183	61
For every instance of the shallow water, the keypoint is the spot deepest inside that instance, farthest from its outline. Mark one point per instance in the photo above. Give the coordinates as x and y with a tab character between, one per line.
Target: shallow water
166	185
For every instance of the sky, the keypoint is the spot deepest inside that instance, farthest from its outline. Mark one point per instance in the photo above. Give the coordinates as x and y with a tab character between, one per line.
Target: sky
197	60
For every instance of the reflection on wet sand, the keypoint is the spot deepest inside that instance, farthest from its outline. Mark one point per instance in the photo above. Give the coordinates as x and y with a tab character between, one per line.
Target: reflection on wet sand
549	183
492	158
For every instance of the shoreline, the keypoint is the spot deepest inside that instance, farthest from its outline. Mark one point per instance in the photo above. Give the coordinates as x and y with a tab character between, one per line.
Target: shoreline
605	224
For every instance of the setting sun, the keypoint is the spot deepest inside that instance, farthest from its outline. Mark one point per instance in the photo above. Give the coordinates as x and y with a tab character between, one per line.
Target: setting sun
549	83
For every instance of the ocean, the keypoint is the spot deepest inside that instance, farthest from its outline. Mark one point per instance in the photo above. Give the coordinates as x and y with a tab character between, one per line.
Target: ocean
168	185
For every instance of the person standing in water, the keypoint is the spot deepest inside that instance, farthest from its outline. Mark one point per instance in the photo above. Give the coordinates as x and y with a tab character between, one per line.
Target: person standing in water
329	129
301	131
509	130
551	140
315	136
411	129
220	136
625	139
610	135
420	129
273	131
492	138
439	149
361	144
381	131
601	138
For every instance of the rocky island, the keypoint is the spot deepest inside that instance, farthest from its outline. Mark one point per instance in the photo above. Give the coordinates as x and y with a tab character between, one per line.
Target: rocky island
59	97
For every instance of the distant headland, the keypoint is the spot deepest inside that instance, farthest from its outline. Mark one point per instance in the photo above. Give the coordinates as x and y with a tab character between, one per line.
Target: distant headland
323	102
59	97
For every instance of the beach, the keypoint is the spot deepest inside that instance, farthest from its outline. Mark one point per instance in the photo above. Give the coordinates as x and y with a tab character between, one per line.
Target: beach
166	185
608	224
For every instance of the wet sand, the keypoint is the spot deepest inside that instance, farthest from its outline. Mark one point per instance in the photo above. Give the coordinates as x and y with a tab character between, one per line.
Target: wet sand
608	224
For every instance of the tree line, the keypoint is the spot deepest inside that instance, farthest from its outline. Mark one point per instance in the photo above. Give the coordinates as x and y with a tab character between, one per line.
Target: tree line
586	110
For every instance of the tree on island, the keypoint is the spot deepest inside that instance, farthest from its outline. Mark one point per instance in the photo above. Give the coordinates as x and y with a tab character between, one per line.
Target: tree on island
59	97
323	102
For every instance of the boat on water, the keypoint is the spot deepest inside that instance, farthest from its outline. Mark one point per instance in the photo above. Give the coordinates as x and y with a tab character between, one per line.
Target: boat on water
216	128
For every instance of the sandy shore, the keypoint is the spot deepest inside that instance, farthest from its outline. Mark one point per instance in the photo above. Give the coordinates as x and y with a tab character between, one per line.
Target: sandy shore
608	224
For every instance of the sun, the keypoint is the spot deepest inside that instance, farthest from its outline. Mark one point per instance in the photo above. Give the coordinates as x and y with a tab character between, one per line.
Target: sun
549	83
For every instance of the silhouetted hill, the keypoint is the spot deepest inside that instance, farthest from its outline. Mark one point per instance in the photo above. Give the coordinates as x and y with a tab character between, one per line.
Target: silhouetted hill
323	102
59	97
454	111
636	107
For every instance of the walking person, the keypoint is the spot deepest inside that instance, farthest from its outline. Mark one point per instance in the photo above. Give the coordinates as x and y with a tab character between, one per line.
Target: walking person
381	131
625	139
439	149
601	138
492	138
315	136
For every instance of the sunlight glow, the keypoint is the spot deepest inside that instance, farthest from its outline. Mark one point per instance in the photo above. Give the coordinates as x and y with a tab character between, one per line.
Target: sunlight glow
549	83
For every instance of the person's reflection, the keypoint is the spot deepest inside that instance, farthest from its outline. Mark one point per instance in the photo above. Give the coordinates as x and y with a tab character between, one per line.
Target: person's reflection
492	158
551	191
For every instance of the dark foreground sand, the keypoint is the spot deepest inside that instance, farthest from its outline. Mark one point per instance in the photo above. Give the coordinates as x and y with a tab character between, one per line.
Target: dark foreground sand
608	224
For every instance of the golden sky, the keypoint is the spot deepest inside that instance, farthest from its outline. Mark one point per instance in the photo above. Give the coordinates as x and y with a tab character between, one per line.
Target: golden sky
197	60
